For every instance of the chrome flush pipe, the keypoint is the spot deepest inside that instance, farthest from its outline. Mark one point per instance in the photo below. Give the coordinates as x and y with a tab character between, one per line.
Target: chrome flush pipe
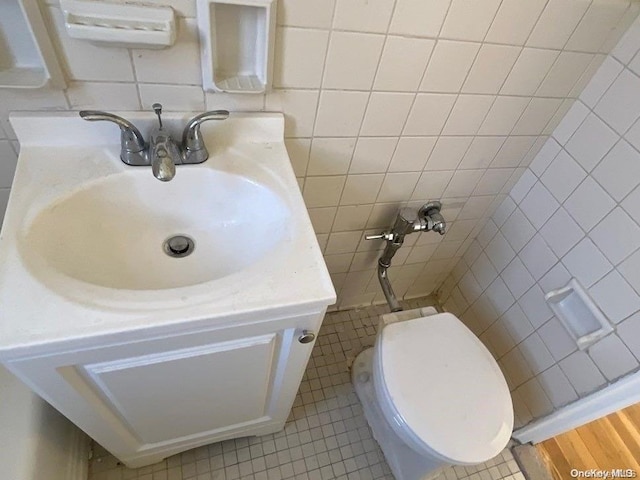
408	220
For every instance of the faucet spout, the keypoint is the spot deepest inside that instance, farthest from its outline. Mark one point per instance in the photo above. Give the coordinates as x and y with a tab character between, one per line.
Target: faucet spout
164	156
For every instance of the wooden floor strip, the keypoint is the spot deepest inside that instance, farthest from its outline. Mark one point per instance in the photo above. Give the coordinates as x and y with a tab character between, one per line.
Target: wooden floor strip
611	442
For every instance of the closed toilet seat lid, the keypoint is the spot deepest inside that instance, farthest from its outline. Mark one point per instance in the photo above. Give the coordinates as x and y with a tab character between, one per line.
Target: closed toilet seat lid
445	389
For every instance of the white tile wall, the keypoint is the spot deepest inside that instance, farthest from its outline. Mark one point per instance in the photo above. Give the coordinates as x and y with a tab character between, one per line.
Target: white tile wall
392	103
574	213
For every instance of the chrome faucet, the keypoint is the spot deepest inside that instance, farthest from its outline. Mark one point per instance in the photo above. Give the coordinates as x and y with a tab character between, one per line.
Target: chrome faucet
161	153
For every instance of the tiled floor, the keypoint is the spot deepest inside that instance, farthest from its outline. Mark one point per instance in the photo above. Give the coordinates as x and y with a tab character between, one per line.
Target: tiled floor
326	437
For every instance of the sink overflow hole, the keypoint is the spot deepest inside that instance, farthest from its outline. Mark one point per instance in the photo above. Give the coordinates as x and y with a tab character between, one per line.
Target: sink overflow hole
178	246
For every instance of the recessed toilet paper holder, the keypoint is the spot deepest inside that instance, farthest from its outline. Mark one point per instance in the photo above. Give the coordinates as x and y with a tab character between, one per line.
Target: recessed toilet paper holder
579	314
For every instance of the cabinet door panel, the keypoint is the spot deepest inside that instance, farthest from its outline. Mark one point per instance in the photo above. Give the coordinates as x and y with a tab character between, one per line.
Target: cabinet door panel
191	391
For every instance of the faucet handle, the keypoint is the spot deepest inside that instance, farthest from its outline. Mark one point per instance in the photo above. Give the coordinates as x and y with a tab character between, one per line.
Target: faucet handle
192	142
132	142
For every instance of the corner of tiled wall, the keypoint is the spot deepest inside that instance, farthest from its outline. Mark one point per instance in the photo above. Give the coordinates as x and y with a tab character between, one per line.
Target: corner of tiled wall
387	103
574	213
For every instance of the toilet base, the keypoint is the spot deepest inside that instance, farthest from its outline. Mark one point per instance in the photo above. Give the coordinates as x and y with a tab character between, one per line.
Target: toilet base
404	462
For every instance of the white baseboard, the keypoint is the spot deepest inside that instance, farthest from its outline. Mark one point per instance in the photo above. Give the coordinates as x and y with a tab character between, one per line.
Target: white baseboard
618	395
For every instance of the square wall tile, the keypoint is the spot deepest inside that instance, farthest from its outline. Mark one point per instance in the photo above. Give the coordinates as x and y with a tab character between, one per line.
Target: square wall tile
596	25
535	307
316	14
582	373
620	105
514	21
342	242
527	74
612	357
352	60
363	15
513	151
481	152
563	176
463	182
340	113
536	353
298	150
411	154
615	297
483	271
396	185
443	75
386	114
619	171
627	47
586	263
323	191
564	74
629	332
468	114
373	154
428	114
538	257
431	185
499	296
504	114
617	235
361	189
469	19
557	387
492	181
557	23
535	399
591	142
517	323
561	232
630	269
522	186
490	69
632	204
322	218
601	81
517	278
403	63
504	210
517	230
418	18
172	97
103	96
539	205
179	64
299	57
537	116
589	203
299	108
447	153
500	252
353	217
557	339
330	156
570	123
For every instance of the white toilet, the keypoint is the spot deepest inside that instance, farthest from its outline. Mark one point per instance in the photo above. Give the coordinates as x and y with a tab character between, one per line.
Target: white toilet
433	395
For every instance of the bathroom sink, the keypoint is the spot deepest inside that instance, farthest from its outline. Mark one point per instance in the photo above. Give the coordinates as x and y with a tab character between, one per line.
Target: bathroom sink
111	232
86	247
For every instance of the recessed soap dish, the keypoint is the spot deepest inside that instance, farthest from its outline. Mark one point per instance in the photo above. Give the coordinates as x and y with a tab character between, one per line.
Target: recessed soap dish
578	314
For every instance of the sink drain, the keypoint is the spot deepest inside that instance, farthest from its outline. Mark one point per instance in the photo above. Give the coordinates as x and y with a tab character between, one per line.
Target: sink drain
178	246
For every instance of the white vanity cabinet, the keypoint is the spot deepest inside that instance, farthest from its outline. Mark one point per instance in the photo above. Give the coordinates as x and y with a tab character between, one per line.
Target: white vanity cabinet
147	396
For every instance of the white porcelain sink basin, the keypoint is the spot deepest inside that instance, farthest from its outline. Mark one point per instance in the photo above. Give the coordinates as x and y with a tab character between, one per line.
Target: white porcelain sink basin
111	231
83	235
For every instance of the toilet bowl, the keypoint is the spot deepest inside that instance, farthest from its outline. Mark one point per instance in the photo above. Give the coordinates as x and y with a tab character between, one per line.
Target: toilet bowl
433	396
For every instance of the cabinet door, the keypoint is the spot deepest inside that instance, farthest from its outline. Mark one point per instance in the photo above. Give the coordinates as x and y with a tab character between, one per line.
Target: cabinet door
146	400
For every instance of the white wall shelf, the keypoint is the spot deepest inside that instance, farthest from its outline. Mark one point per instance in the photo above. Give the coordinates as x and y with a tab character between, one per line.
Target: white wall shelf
27	57
237	38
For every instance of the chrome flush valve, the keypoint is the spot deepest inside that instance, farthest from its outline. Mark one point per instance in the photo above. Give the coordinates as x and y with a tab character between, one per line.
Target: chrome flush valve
430	212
